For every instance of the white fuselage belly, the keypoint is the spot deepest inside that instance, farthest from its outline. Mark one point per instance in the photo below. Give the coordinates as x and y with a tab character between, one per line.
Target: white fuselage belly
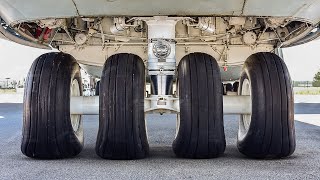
22	10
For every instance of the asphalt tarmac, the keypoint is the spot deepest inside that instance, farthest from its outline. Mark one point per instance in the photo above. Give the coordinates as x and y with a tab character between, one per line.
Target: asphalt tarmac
162	163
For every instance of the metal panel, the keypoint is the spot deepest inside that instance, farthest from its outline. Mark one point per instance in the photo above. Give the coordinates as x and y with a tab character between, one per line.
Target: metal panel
296	8
158	7
20	10
311	12
232	73
93	70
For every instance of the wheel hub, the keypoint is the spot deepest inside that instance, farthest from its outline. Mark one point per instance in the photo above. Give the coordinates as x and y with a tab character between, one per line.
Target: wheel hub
245	119
75	119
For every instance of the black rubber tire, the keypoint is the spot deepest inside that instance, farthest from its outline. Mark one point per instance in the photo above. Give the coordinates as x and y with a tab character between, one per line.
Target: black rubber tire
97	89
229	87
47	129
222	89
271	133
122	130
235	86
201	132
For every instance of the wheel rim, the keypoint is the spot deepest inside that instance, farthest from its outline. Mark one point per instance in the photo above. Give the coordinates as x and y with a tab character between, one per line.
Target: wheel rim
177	125
178	114
245	119
75	119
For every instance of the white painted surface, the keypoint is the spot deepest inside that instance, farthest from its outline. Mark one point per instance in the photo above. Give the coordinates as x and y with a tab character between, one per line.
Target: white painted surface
17	10
89	105
307	99
20	10
237	105
313	119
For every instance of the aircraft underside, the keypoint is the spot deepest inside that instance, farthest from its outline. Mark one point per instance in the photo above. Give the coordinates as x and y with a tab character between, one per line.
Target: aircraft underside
160	57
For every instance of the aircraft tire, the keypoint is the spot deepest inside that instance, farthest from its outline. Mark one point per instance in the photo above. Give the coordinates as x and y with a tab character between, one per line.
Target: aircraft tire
97	89
200	130
269	131
49	131
122	130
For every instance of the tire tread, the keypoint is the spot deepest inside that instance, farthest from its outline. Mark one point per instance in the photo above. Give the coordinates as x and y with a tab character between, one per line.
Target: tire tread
201	132
122	131
272	112
46	134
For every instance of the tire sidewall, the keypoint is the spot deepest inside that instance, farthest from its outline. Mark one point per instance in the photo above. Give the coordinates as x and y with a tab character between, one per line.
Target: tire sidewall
75	75
254	75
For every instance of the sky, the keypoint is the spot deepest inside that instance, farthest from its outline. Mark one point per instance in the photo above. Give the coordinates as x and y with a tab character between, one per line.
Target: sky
15	59
303	61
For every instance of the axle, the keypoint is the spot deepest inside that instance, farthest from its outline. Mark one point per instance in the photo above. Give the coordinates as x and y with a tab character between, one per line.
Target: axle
89	105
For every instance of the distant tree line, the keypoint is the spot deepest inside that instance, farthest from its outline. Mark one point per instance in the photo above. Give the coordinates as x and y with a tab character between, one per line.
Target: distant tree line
316	80
302	83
